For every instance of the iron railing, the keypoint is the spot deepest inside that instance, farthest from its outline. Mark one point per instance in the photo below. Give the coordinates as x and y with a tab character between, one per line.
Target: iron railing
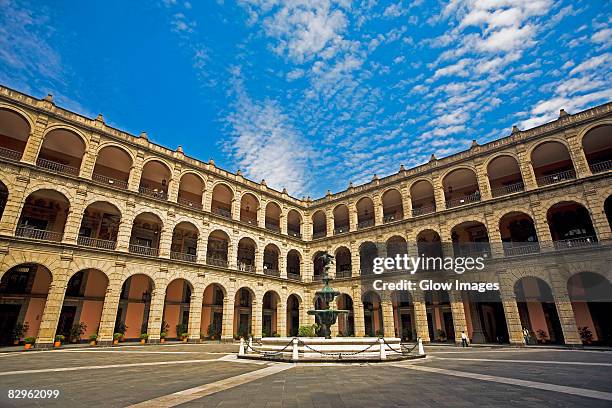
189	203
58	167
520	248
247	268
294	276
393	217
10	154
153	192
222	212
110	181
341	230
182	256
365	223
509	189
427	209
344	274
295	234
272	272
601	166
556	178
35	233
319	234
272	227
143	250
576	242
217	262
97	243
456	202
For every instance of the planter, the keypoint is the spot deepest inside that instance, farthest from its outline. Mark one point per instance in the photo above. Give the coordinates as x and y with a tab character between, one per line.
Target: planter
28	346
16	342
142	341
162	340
115	341
57	344
185	340
92	343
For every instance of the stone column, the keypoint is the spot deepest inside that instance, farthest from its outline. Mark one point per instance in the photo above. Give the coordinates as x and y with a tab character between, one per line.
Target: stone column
195	313
165	240
12	209
283	221
565	310
438	188
378	210
542	228
458	312
355	259
227	332
281	317
352	216
89	158
259	257
495	239
329	219
174	185
74	218
35	140
406	202
388	320
125	230
235	208
282	262
420	316
53	307
513	319
156	311
256	312
580	164
596	203
136	172
526	168
261	215
111	304
358	315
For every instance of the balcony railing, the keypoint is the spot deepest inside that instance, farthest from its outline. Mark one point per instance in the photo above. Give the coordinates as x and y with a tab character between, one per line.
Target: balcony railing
181	256
317	277
341	230
143	250
272	227
247	268
521	248
153	192
35	233
97	243
344	274
601	167
392	217
189	203
217	262
10	154
294	276
249	221
576	242
471	249
271	272
222	212
58	167
110	181
456	202
556	178
509	189
295	234
365	223
319	234
427	209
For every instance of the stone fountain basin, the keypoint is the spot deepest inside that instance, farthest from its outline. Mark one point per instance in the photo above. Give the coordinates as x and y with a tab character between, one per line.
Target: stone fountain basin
333	345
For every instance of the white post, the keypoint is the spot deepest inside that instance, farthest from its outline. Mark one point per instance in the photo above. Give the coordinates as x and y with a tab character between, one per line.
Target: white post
421	349
241	349
383	351
295	355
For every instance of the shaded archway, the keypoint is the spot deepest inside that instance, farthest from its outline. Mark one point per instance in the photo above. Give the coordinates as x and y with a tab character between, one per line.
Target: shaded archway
429	244
43	216
343	263
536	306
608	210
319	224
246	255
62	151
439	316
504	176
243	312
365	213
271	257
175	321
460	188
191	189
82	308
155	179
597	147
113	166
396	245
422	198
392	206
485	317
293	315
346	321
184	245
100	226
222	198
294	224
273	216
367	252
23	294
294	261
212	311
3	197
146	234
14	134
134	306
341	219
372	314
249	206
470	238
269	314
518	234
317	266
570	225
403	315
591	297
551	163
217	248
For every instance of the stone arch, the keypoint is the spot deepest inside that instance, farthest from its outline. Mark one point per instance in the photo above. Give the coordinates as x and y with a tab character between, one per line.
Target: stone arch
270	316
21	112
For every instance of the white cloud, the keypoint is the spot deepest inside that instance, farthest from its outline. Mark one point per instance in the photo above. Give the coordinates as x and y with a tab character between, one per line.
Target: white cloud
591	63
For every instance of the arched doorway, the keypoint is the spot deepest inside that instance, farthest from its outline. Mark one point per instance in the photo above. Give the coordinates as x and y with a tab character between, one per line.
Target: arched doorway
504	176
212	311
113	167
470	238
319	224
429	244
439	316
294	260
43	216
318	266
269	314
551	163
422	198
134	306
293	315
14	134
146	234
518	234
23	294
249	206
591	297
365	213
570	225
343	263
175	321
184	246
346	321
217	249
222	198
155	180
271	260
367	252
485	317
191	189
403	315
243	313
392	206
100	226
597	147
273	216
341	219
537	311
372	314
246	255
460	188
294	224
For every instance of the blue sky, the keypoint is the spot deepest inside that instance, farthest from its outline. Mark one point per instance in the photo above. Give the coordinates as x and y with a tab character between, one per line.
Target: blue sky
311	95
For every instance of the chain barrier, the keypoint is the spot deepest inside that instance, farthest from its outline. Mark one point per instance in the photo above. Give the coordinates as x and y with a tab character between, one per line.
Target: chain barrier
337	354
268	353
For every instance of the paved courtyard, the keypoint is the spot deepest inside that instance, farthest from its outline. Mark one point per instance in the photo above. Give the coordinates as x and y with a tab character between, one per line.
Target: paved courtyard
208	375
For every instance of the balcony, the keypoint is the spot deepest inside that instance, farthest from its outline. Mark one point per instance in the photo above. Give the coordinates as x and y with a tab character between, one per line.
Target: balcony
457	202
509	189
189	203
34	233
520	248
217	262
272	272
143	250
222	212
247	268
10	154
344	274
392	217
97	243
318	234
295	234
365	224
181	256
426	209
341	230
472	249
294	276
572	243
110	181
556	178
601	167
153	192
57	167
272	227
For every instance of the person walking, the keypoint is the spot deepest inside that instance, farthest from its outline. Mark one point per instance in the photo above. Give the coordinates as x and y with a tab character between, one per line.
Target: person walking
464	339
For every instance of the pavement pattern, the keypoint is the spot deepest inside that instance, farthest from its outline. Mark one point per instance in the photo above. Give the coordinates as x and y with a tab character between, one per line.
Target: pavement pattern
209	375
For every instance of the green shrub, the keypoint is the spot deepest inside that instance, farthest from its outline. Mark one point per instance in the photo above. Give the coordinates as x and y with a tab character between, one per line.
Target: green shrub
163	334
144	336
20	330
117	336
60	338
77	331
306	331
30	340
180	329
93	337
184	335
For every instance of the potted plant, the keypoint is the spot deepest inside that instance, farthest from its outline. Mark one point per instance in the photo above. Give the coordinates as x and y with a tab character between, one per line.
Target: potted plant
58	340
586	335
162	337
117	337
93	339
542	336
29	341
19	331
143	338
180	329
184	337
77	331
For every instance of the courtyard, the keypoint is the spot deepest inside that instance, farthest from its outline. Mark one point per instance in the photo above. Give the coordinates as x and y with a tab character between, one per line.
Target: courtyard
209	375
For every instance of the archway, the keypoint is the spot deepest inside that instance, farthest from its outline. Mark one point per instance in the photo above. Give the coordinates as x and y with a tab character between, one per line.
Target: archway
212	311
341	219
365	213
100	226
217	249
222	198
504	176
343	263
570	225
518	234
62	151
146	234
175	321
597	147
460	188
367	252
293	315
82	308
346	322
249	206
439	316
537	311
318	266
43	216
294	224
485	317
23	295
134	306
429	244
551	163
422	198
591	297
294	260
243	312
372	314
392	206
403	315
273	216
269	314
191	189
470	238
154	180
319	224
184	245
113	166
246	255
396	245
3	197
270	260
14	134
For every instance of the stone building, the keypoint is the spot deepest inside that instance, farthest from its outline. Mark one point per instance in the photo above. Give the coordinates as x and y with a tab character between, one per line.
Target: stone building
109	229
